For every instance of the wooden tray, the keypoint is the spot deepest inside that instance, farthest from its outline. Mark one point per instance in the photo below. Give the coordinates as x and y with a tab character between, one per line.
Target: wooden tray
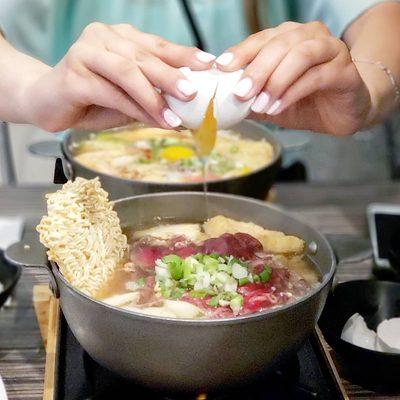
47	310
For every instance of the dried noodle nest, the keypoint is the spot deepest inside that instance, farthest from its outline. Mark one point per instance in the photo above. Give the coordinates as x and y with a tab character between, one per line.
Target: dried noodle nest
83	234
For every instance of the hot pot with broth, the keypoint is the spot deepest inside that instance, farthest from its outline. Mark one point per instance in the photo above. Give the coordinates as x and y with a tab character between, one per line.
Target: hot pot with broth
139	160
179	353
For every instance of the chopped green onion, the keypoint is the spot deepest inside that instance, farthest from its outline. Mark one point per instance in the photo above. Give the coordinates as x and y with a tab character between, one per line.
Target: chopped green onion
266	274
214	301
198	294
188	267
236	303
243	281
214	255
238	271
210	263
177	293
166	293
256	278
175	266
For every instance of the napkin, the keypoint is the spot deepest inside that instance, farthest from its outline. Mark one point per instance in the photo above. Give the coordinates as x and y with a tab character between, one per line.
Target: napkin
10	231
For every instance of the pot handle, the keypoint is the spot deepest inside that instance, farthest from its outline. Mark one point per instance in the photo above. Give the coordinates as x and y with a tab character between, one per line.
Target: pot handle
63	171
30	253
46	148
350	249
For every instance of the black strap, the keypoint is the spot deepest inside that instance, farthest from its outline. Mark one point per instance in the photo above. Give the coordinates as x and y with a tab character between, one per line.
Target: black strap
193	25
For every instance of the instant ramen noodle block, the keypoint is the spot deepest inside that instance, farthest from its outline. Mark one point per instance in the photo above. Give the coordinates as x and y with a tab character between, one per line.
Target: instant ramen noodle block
83	234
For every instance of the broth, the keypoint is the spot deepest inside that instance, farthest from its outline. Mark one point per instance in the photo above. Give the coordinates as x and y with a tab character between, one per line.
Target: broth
190	271
157	155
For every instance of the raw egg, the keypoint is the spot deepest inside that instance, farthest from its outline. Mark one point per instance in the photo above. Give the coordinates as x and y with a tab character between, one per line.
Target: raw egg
176	153
228	109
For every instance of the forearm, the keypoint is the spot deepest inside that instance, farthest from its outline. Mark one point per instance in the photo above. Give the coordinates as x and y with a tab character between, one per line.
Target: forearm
374	37
17	71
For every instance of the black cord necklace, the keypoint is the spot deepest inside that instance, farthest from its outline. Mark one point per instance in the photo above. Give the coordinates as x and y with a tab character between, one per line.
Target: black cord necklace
193	25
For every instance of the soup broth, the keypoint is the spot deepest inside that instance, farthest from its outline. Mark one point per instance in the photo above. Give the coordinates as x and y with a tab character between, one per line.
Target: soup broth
222	268
157	155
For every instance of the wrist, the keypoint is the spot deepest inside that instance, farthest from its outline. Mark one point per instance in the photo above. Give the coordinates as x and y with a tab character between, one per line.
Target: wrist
28	96
19	72
382	88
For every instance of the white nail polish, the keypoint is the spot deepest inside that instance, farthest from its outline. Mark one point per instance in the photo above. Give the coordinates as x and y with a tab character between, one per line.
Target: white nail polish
243	87
186	87
171	118
204	57
224	59
274	108
260	103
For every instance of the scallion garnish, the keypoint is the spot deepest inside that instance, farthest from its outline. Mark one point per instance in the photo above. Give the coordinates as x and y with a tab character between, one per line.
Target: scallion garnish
266	274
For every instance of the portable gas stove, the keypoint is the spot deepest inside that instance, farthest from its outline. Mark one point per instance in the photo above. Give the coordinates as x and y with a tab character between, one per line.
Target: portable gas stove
77	376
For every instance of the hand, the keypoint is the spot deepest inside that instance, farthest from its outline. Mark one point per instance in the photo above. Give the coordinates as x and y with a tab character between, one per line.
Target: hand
108	78
303	77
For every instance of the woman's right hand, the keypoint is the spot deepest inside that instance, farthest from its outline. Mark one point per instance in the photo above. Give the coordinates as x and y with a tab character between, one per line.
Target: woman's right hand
108	78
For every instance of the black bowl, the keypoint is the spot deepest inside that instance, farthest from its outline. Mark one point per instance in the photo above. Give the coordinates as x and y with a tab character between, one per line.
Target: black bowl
375	301
9	276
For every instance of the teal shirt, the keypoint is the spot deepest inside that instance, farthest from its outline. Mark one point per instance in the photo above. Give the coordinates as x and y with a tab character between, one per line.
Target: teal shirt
47	28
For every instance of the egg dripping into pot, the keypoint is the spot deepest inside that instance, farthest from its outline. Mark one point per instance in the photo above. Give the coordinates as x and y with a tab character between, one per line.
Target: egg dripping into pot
205	137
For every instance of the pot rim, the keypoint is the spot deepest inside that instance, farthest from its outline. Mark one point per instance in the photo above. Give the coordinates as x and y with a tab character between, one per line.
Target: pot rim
65	144
217	321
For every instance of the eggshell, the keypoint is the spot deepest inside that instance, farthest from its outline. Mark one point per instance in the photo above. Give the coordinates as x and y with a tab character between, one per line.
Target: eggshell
388	333
227	108
356	331
348	329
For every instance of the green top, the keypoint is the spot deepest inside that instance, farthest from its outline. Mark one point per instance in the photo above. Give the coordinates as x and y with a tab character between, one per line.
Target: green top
47	28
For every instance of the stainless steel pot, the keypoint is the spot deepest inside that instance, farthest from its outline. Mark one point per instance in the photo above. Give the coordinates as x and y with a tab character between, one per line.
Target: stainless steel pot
255	184
192	355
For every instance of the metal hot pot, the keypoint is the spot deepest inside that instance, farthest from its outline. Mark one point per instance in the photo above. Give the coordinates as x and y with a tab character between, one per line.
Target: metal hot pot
184	354
255	184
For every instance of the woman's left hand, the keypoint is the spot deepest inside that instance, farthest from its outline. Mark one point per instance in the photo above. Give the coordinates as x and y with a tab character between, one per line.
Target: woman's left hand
303	77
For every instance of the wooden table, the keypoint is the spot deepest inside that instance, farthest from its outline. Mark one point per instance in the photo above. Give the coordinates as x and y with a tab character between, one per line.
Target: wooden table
332	209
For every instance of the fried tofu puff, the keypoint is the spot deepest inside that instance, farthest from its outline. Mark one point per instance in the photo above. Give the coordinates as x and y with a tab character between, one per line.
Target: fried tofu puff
272	241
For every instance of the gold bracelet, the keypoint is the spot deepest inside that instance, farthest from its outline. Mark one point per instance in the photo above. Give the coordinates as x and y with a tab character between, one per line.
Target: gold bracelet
386	70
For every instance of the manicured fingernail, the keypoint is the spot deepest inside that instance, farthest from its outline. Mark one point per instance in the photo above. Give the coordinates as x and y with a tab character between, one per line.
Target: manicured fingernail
260	103
243	87
224	59
171	118
274	109
186	87
204	57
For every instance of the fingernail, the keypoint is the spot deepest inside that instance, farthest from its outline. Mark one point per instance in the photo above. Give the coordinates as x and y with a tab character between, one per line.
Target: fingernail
186	87
171	118
260	103
204	57
274	108
224	59
243	87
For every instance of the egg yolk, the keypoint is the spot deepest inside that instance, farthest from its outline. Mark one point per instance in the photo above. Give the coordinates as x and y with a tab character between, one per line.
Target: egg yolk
176	153
245	170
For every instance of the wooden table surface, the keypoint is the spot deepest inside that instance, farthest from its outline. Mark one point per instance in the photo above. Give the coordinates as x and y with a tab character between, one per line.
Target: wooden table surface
331	209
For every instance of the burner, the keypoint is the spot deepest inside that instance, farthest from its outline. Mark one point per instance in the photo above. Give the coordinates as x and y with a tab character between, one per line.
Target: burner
303	377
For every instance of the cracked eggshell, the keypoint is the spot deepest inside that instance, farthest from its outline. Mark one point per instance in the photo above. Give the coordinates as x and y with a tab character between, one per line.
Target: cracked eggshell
388	335
356	332
228	109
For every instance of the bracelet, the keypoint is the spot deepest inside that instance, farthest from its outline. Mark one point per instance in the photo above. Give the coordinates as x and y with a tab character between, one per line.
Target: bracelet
388	73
